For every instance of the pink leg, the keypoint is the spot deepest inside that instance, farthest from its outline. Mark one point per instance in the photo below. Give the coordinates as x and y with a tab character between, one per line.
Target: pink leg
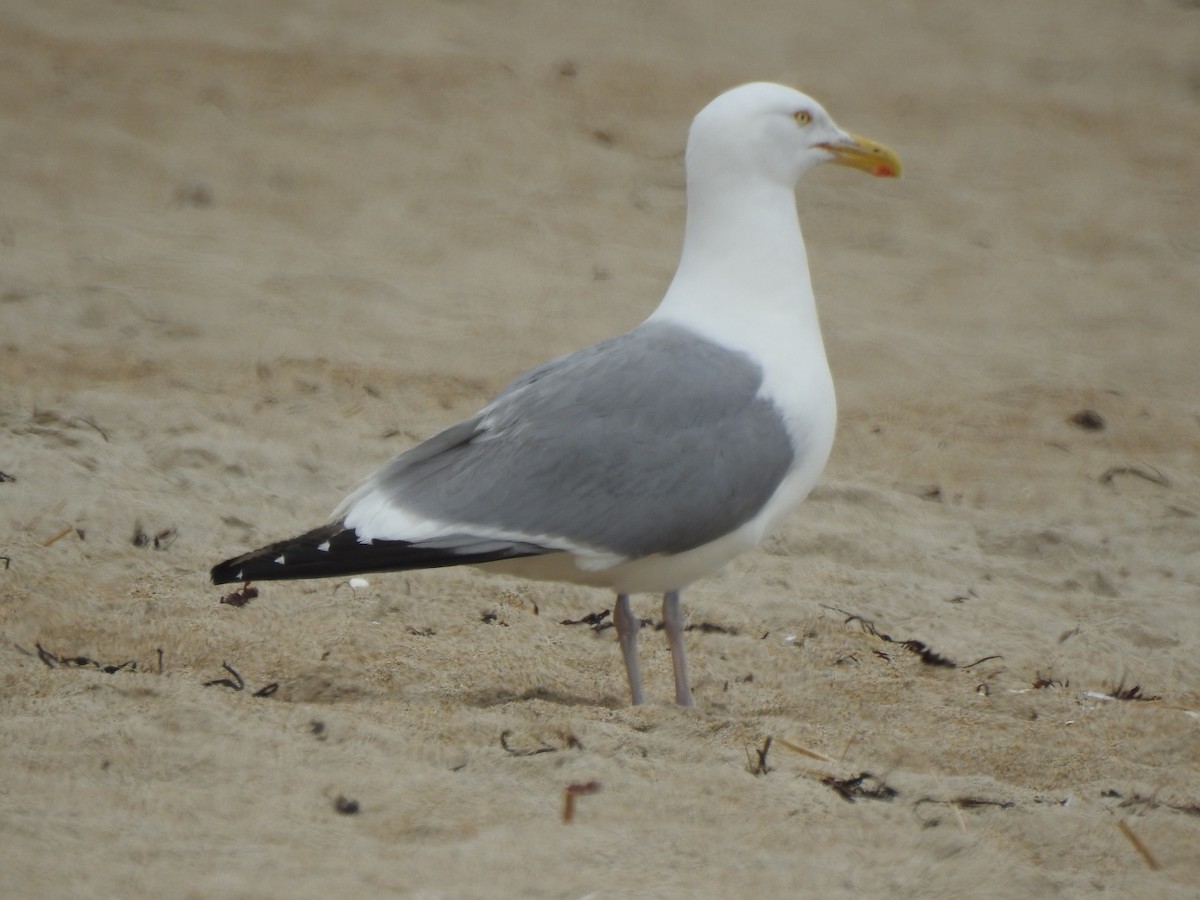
627	631
673	625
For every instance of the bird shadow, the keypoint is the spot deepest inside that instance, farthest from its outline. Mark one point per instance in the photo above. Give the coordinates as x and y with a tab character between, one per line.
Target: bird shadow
500	696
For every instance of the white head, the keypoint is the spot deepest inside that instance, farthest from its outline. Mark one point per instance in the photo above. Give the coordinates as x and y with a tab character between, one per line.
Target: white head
768	131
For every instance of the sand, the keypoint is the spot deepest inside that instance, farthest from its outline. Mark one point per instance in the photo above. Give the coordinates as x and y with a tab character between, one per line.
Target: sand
250	250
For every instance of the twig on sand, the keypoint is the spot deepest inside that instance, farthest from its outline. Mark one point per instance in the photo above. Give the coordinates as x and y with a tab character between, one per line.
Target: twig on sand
54	661
236	684
572	791
805	751
1138	844
758	766
863	785
920	648
58	535
1149	473
517	751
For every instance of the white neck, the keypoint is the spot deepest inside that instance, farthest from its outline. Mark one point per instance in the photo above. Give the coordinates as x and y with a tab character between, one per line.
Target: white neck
743	275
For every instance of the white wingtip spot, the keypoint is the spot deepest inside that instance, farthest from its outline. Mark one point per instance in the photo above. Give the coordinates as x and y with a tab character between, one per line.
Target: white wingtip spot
323	546
280	560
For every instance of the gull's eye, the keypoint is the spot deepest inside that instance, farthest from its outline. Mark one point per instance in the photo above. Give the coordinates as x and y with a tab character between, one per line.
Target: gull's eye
803	116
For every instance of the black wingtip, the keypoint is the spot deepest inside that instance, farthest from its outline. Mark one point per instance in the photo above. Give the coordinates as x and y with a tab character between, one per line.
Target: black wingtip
335	551
281	560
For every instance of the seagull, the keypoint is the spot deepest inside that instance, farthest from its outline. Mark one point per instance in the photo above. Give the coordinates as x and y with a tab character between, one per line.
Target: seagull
651	459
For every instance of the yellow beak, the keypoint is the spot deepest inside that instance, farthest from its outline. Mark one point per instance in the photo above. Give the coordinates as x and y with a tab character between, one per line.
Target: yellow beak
863	153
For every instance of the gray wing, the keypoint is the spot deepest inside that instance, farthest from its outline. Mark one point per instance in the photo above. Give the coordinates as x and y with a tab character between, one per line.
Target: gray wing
655	441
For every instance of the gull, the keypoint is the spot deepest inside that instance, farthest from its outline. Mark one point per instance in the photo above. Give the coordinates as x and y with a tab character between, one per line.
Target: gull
649	460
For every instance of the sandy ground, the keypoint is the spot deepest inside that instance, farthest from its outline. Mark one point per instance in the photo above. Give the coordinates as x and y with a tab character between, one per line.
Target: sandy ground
250	250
